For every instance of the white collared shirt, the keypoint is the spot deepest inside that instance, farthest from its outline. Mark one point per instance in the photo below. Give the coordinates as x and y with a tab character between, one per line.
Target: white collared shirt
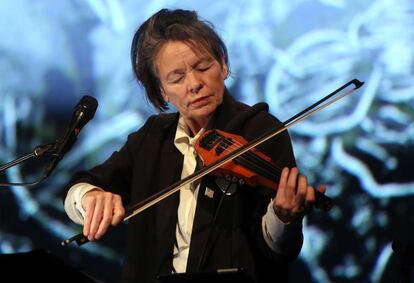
188	196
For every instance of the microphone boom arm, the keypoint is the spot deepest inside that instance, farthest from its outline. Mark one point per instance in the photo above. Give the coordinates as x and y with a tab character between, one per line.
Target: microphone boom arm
39	151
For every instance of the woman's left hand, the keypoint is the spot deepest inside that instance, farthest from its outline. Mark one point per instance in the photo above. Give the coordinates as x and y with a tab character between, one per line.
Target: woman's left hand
293	195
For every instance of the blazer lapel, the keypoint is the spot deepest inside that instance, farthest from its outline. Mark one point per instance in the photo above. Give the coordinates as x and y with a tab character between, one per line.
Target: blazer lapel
169	172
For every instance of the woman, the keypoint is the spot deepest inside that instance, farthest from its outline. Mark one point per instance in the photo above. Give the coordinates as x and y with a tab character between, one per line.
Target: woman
180	59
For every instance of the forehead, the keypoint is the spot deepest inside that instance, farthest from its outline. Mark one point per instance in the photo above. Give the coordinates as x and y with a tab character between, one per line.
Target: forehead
172	53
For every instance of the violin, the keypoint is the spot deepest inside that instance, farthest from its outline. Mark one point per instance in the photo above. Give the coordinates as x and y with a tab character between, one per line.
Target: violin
228	154
253	168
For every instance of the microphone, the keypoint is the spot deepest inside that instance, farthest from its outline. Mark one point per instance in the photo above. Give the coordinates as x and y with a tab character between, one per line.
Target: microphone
84	112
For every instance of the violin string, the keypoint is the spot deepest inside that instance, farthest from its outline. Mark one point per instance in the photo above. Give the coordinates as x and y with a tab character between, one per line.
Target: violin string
252	158
254	166
231	146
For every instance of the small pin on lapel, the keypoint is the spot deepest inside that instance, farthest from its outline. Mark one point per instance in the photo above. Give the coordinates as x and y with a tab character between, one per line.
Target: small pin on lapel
209	193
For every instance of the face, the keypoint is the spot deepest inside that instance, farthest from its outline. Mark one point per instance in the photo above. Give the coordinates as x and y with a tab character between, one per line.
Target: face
192	81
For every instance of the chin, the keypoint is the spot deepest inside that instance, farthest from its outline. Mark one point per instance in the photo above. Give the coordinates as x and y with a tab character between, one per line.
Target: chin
206	110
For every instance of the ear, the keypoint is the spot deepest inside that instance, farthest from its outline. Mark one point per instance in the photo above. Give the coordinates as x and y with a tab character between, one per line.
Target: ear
225	71
164	95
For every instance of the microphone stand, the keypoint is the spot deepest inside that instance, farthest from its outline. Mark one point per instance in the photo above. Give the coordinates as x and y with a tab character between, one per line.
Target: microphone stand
84	111
39	151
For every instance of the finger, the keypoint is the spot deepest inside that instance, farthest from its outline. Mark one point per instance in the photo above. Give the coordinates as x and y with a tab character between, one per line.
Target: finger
301	193
106	216
291	183
119	210
89	206
96	219
282	182
310	195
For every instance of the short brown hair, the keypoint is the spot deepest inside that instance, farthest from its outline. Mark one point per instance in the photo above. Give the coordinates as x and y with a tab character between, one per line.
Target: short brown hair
170	25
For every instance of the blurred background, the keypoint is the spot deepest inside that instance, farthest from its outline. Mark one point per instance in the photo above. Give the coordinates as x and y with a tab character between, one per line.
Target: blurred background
287	53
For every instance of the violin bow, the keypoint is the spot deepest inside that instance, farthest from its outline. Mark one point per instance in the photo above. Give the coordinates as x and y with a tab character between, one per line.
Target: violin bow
137	208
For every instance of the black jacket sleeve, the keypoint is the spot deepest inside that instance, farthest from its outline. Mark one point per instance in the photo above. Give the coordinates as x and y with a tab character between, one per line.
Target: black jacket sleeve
115	174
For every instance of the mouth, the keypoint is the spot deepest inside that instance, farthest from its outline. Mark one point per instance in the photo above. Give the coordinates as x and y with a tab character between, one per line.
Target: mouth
200	101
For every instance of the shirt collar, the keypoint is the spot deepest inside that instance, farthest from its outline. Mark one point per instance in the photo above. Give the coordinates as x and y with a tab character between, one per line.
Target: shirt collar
182	136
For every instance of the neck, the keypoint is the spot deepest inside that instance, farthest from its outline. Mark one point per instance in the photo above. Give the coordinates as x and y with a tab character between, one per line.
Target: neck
195	125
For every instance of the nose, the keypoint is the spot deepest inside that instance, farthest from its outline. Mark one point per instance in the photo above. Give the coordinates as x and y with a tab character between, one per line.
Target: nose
194	83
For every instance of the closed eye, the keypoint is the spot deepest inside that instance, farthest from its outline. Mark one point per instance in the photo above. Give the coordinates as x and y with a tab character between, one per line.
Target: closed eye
176	76
203	69
203	65
176	80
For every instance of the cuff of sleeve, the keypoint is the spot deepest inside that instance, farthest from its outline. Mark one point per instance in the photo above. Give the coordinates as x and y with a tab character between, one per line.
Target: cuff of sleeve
73	201
273	227
279	236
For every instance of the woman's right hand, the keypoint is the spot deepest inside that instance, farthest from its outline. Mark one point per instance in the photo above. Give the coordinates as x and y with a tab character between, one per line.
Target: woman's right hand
102	209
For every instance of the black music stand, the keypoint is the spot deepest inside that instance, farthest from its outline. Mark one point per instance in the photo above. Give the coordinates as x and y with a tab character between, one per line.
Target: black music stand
219	276
39	266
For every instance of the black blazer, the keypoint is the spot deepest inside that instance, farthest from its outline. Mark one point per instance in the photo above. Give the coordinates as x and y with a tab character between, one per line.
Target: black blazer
149	162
